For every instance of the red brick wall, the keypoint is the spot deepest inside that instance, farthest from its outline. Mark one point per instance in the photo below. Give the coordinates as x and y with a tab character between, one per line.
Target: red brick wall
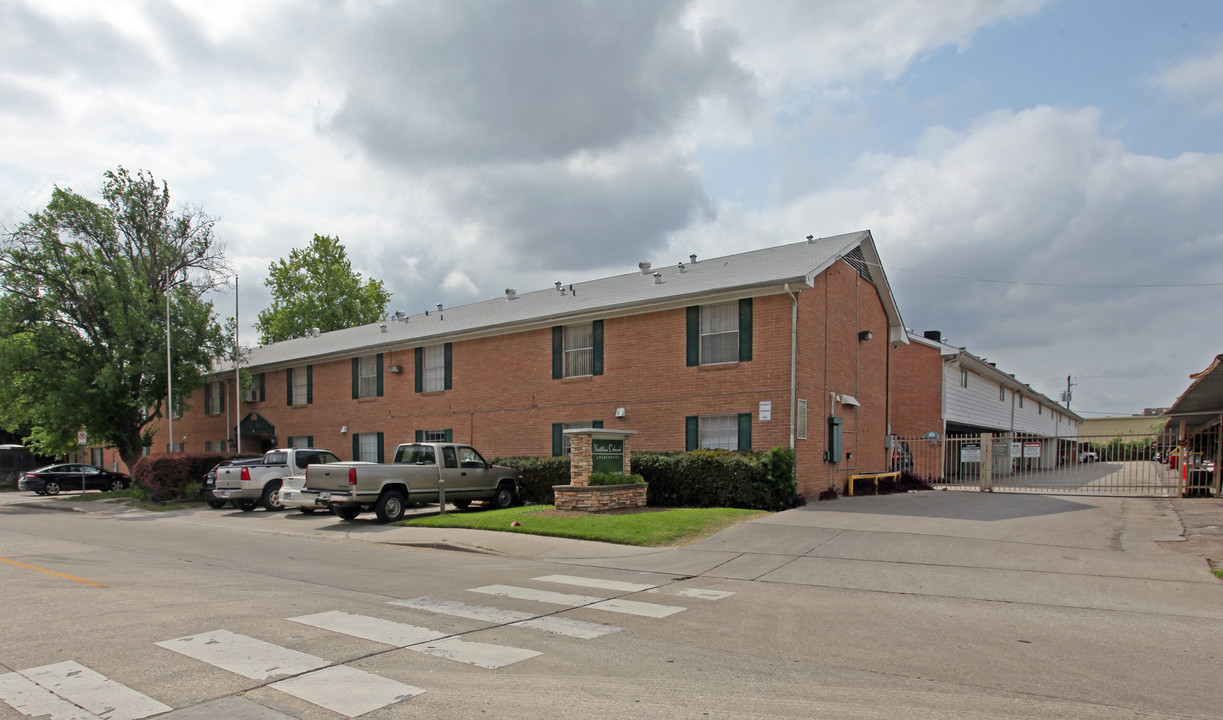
917	403
504	400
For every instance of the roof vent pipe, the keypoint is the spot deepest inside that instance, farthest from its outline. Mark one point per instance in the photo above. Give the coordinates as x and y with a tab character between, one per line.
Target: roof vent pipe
658	278
315	332
400	315
558	285
810	239
644	265
511	294
692	257
439	307
383	327
682	268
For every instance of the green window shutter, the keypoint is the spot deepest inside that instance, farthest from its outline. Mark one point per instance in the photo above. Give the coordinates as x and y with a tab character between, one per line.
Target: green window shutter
597	424
207	398
420	436
356	378
223	394
378	361
598	347
309	384
558	443
420	369
694	335
745	329
310	440
289	386
356	446
745	431
448	354
449	435
558	352
262	386
381	456
692	433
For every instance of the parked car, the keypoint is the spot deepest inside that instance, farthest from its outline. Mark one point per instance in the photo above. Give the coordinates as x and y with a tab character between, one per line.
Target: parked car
1088	456
250	486
902	459
210	480
50	480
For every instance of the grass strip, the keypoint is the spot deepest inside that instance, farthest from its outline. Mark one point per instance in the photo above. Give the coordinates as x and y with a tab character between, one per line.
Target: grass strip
652	528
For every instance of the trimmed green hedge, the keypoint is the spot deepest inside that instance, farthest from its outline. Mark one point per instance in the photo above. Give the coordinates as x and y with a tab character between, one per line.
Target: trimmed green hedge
615	479
167	477
701	478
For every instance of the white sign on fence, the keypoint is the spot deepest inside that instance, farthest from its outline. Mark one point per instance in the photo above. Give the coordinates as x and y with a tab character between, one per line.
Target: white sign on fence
970	452
1031	449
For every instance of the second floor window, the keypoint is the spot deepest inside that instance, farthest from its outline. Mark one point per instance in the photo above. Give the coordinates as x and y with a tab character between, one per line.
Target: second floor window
367	376
298	382
720	333
214	398
433	368
579	350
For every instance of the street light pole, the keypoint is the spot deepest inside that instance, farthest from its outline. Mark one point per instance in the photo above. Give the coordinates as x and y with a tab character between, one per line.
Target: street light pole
237	375
169	382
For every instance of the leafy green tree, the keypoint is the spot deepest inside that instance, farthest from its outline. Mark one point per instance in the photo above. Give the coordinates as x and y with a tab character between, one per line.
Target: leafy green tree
317	288
83	296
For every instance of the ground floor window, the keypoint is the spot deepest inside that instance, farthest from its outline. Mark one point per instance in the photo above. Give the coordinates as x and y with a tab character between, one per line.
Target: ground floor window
719	432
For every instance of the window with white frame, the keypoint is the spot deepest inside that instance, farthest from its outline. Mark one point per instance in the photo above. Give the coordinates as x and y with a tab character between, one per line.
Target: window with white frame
719	333
255	393
434	436
718	432
367	384
801	420
216	398
301	441
368	447
301	386
579	345
434	368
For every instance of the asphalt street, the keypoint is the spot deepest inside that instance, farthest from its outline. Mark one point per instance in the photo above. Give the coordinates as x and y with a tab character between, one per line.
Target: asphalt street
922	605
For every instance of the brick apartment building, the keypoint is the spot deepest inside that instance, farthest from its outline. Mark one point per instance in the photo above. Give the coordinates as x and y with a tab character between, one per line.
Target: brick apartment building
782	346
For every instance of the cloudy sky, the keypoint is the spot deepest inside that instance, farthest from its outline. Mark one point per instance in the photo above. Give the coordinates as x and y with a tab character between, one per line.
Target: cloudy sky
1044	178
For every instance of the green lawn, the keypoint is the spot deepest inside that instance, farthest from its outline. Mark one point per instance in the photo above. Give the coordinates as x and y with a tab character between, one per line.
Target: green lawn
651	528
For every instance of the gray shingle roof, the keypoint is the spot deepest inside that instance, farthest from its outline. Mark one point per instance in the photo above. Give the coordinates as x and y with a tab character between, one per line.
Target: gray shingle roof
621	294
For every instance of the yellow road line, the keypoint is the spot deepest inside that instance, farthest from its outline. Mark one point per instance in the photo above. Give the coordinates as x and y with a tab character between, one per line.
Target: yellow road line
52	572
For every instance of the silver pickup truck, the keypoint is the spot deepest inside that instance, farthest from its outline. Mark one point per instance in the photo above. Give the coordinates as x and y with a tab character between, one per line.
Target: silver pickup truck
415	475
252	485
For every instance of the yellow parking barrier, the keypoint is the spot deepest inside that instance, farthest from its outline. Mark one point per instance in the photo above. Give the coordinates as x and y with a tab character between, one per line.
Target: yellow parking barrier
870	476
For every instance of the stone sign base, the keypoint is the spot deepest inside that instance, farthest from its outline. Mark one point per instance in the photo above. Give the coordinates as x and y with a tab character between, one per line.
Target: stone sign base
599	498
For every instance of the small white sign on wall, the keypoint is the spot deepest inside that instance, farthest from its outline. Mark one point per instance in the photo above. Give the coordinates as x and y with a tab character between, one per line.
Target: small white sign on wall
766	410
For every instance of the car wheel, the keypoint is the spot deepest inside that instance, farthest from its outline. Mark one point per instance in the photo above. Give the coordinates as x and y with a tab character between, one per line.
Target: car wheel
306	511
116	485
347	512
215	503
271	498
505	497
246	504
461	504
389	507
40	492
51	488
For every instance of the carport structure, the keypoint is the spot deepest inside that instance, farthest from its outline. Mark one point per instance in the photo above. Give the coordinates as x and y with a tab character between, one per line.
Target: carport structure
1194	423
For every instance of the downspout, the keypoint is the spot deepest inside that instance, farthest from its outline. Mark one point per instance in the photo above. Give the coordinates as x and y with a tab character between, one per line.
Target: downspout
793	360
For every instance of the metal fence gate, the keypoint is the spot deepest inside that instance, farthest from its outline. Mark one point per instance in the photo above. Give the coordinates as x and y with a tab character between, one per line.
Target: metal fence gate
1104	465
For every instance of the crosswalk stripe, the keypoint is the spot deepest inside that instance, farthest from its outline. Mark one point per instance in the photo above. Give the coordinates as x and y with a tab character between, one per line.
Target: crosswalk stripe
387	632
497	616
627	607
543	596
704	594
245	656
616	585
570	628
483	655
28	698
94	692
346	690
632	607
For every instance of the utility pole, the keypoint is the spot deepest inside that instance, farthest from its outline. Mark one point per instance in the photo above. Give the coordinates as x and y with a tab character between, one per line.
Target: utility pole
1066	395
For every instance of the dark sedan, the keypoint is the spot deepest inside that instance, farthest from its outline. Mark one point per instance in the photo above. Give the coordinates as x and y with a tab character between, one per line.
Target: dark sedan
51	479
